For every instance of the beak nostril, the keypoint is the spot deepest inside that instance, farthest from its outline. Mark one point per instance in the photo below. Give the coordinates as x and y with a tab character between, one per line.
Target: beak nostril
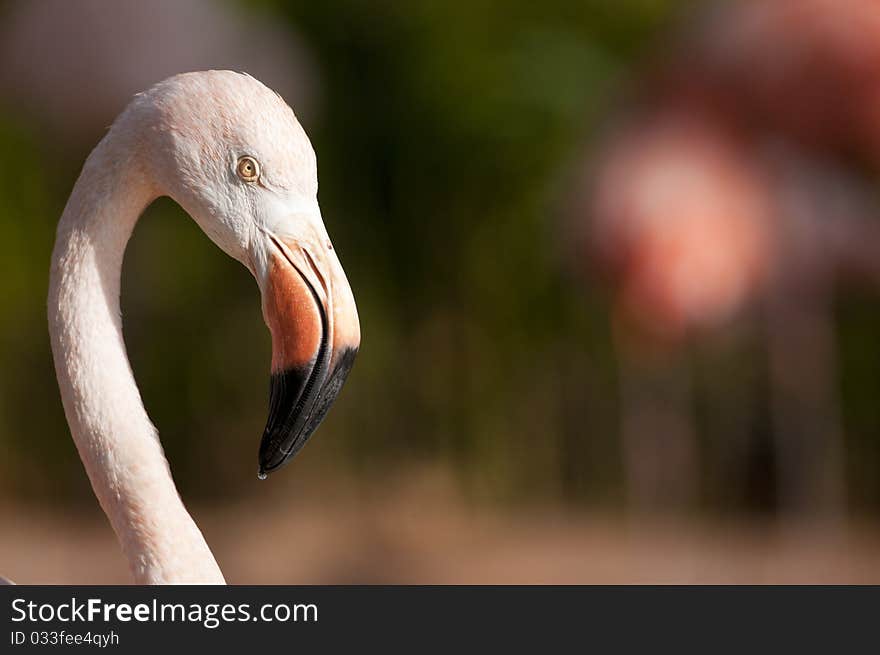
316	271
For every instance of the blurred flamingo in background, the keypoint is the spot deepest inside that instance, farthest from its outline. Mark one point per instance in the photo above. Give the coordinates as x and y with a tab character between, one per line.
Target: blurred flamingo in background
806	69
721	195
679	224
75	65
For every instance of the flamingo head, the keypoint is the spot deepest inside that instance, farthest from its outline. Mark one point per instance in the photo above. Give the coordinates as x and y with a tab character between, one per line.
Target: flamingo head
233	155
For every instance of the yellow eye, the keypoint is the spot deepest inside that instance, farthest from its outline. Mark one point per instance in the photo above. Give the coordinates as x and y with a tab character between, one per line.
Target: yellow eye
248	169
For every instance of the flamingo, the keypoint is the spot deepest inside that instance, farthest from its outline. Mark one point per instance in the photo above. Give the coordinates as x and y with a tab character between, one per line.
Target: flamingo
721	192
232	154
696	227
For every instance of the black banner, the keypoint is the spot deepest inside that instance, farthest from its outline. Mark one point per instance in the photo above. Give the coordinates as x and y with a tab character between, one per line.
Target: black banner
413	619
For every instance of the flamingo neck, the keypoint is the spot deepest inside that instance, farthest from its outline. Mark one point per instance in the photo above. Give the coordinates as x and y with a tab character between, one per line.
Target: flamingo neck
117	443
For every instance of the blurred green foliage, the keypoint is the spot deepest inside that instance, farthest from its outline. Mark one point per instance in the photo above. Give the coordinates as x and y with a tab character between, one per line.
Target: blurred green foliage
443	138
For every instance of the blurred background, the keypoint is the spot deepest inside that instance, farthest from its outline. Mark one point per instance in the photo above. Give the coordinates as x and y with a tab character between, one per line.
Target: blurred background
617	267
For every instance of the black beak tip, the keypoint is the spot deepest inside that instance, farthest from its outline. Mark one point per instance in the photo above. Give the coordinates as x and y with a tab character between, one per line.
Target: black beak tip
271	458
298	402
278	448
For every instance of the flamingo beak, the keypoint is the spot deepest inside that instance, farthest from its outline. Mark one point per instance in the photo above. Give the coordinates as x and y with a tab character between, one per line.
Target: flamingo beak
310	311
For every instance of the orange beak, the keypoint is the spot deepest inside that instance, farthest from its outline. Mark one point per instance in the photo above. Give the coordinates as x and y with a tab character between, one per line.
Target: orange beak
310	311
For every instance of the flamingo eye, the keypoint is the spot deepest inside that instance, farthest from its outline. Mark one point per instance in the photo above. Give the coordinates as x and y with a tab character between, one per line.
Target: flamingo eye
248	169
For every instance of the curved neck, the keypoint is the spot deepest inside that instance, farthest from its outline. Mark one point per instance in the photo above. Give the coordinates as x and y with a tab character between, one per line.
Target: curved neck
117	443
